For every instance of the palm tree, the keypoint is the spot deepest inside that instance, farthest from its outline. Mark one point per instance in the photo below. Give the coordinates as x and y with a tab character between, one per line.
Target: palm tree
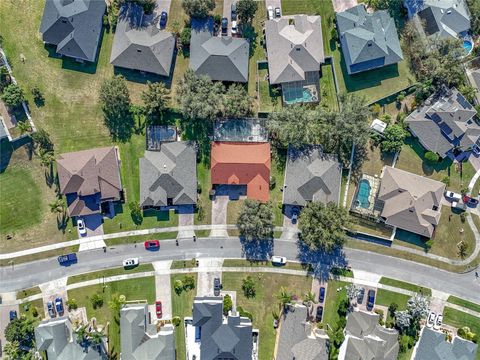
284	297
96	338
82	334
116	302
46	158
12	350
24	127
58	206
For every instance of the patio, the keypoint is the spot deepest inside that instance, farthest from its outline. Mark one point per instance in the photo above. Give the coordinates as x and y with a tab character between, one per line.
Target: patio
364	202
306	91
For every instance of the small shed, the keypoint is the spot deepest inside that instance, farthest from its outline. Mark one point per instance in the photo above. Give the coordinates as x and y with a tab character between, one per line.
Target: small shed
378	126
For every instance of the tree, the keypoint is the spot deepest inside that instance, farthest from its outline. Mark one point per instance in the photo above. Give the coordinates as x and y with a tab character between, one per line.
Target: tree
136	212
284	297
431	157
116	302
246	10
41	140
255	220
469	92
227	304
38	97
198	8
236	102
115	101
176	321
405	342
418	306
474	7
309	300
403	319
462	248
82	334
352	292
24	127
21	330
13	95
12	350
155	99
185	36
178	286
323	226
392	308
188	282
58	206
394	137
97	301
72	304
248	287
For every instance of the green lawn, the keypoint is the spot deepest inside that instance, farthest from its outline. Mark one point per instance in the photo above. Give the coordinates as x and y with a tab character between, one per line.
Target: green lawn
386	297
464	303
133	289
406	286
203	178
332	301
277	170
265	301
241	262
27	309
233	210
328	93
22	294
269	100
109	272
460	319
369	227
139	239
182	307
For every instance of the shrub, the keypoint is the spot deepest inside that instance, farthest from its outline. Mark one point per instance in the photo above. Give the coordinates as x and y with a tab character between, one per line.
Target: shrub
227	304
431	157
185	37
244	313
176	321
406	342
428	244
248	287
188	282
463	217
446	180
35	312
97	301
217	19
343	308
273	182
178	286
392	308
13	95
72	304
380	319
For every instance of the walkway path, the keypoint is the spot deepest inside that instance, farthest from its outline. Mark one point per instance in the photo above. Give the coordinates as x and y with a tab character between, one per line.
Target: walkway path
473	181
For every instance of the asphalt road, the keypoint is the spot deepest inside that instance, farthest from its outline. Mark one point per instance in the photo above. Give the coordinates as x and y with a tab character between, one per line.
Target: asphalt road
26	275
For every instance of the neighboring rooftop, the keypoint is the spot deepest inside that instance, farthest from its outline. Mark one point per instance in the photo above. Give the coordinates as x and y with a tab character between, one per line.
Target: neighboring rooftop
222	58
365	339
433	346
445	123
242	164
410	202
369	40
294	47
311	175
169	177
299	339
231	338
140	340
140	45
89	177
74	26
241	130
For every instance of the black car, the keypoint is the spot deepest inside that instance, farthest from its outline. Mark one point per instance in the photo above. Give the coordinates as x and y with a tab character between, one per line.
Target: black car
234	12
216	286
361	295
321	297
224	26
13	315
163	19
319	315
294	215
371	299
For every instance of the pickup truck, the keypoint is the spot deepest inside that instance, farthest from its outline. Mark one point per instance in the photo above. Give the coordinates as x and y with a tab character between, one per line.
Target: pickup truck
66	260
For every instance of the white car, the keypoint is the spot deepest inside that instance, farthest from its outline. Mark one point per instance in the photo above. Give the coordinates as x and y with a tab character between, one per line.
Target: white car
453	196
279	260
270	13
234	27
431	319
130	262
82	230
438	322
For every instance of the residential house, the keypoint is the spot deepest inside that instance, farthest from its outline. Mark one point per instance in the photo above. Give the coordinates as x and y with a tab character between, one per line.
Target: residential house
433	346
369	40
140	45
300	339
445	125
55	339
295	55
90	180
311	175
242	165
141	340
218	337
447	19
74	27
222	58
169	177
409	201
365	339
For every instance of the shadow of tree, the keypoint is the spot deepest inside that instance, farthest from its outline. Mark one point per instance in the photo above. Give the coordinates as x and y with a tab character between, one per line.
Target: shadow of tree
257	249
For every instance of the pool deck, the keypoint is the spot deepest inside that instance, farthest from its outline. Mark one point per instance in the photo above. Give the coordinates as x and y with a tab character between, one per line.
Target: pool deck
372	210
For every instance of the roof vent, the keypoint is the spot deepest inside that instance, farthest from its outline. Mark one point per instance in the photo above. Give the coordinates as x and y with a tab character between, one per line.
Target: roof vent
164	166
449	11
139	51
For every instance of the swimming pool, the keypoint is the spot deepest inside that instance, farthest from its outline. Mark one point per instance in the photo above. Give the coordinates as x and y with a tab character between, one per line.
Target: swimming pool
468	46
363	194
299	95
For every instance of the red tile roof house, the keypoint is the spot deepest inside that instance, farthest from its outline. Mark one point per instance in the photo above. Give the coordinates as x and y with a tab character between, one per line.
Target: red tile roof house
242	164
89	179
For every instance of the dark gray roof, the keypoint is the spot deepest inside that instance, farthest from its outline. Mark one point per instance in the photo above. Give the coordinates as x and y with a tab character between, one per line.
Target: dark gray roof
140	340
297	340
230	339
74	26
222	58
432	346
169	173
368	40
311	175
3	130
141	46
445	122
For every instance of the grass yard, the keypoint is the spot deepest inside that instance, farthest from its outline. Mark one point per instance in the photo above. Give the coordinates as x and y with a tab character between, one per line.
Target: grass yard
133	289
203	178
386	297
332	301
22	294
277	170
27	309
241	263
269	98
328	93
369	227
406	286
109	272
265	301
140	239
182	307
233	210
464	303
460	319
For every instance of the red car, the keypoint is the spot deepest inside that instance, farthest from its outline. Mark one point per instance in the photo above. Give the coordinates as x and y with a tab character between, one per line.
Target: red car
470	201
152	244
158	309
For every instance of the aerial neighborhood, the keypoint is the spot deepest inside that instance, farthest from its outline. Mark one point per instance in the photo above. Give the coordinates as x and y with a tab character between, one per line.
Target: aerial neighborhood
240	179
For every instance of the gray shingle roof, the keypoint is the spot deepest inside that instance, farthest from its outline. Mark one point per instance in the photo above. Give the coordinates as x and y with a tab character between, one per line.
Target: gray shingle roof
445	123
368	40
140	340
169	173
3	129
293	48
311	175
74	26
432	346
140	46
231	339
221	58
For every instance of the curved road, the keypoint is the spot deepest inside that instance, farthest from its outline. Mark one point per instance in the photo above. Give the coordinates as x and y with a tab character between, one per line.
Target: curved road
31	274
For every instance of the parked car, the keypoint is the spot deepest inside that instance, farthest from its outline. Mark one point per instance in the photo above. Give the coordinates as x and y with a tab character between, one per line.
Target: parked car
233	10
51	309
82	230
13	315
163	19
152	245
224	26
216	286
277	12
319	314
469	200
279	260
130	262
321	297
59	306
68	259
438	322
371	299
294	215
453	196
431	319
234	27
361	295
270	12
476	150
459	205
158	309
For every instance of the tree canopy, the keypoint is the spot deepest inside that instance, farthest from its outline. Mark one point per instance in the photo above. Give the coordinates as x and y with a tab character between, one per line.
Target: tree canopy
394	137
322	226
237	102
255	220
155	99
246	10
198	8
474	6
21	331
13	95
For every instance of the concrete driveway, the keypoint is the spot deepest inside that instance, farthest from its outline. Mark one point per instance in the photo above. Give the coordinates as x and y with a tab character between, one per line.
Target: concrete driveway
219	215
342	5
94	225
227	13
290	230
52	290
212	268
274	4
163	288
185	218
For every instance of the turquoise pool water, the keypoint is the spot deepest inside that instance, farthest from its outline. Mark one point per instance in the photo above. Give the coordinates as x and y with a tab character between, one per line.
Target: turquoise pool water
467	45
363	194
293	96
